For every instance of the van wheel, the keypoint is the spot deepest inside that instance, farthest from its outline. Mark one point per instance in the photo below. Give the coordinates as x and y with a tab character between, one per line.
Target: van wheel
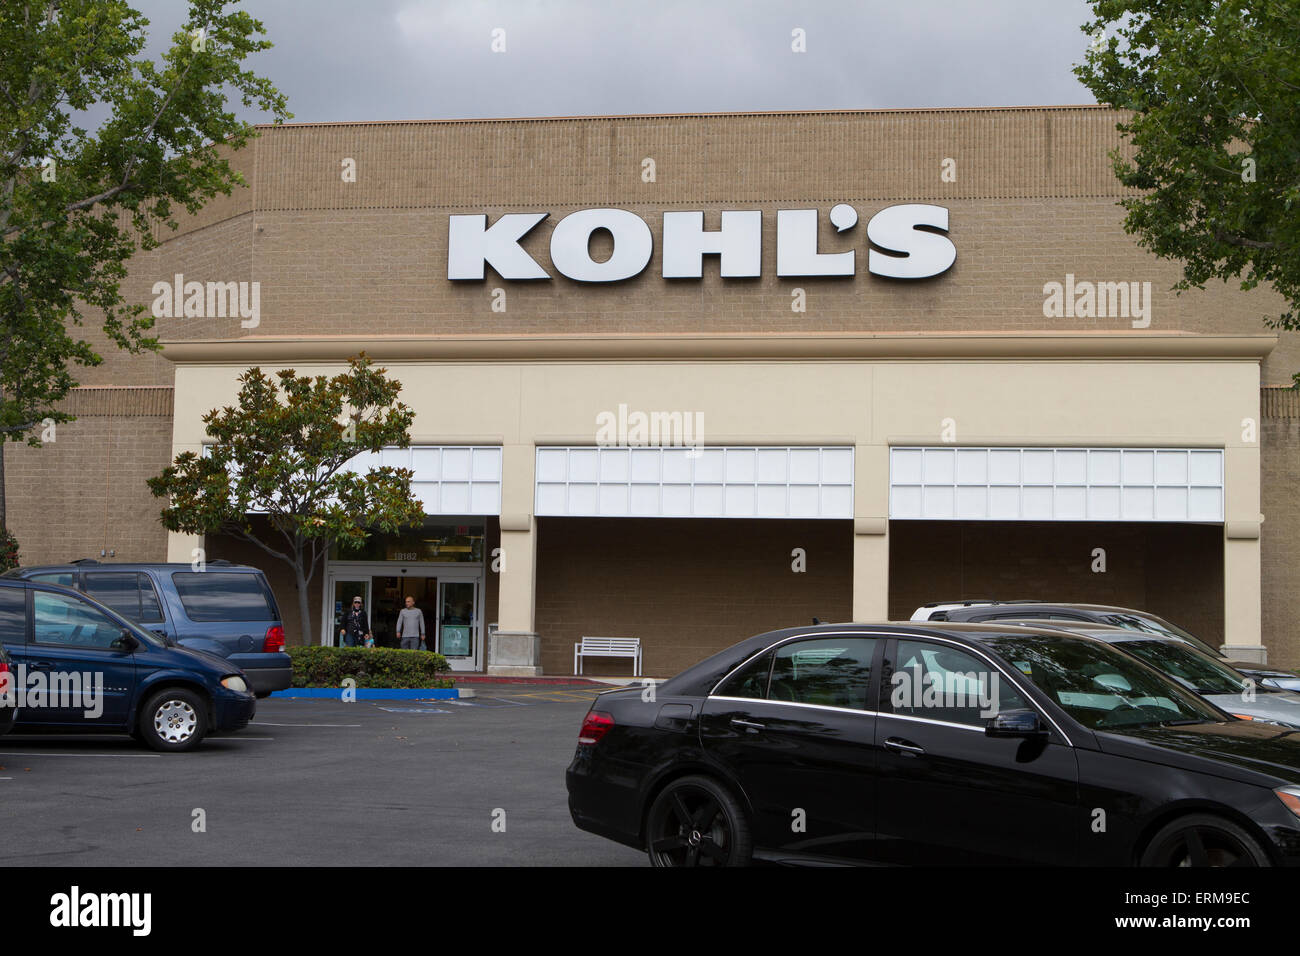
696	821
1204	840
173	720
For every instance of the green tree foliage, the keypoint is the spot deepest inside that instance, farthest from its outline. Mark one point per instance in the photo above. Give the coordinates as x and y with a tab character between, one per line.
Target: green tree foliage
1213	86
75	204
280	452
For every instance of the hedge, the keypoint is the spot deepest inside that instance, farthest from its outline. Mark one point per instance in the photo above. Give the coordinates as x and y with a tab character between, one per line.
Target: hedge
8	549
319	666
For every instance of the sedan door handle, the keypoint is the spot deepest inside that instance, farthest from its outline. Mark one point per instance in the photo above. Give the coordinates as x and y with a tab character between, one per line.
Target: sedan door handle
749	725
899	745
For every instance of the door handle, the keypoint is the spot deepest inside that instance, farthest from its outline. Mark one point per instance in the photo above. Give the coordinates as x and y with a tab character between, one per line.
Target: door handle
749	725
899	745
40	664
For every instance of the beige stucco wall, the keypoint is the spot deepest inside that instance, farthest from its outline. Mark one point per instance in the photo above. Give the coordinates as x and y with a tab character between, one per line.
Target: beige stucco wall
871	403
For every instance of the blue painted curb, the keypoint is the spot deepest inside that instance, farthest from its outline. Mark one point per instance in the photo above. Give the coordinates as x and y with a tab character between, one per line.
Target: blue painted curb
372	693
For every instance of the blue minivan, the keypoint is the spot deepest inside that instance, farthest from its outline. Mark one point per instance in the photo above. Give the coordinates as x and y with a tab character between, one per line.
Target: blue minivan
80	667
224	609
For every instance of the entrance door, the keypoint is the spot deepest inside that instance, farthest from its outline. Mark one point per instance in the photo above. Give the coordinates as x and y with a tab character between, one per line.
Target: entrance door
458	623
345	590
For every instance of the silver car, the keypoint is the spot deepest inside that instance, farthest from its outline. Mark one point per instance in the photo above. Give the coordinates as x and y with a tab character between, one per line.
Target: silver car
1227	689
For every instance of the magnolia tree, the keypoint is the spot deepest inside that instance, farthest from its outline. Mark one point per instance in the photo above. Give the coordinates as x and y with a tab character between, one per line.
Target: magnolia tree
280	453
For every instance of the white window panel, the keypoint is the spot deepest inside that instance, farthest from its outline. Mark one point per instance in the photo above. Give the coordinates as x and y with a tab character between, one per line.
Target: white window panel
905	466
1204	504
1104	467
1139	468
1038	467
1171	468
972	466
643	500
805	466
486	464
615	465
837	466
972	502
741	466
1071	503
1071	467
716	481
454	498
448	479
1139	504
1103	504
645	465
1205	469
773	466
612	500
905	502
939	467
1056	484
551	464
455	464
707	501
741	501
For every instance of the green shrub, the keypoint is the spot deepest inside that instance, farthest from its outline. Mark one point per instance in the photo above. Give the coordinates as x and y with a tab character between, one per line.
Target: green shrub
319	666
8	550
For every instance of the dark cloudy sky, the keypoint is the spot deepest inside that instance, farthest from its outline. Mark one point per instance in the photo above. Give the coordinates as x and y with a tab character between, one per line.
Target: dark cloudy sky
431	59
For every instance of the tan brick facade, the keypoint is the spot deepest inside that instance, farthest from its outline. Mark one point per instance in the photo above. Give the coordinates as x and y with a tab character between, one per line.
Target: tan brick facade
1034	199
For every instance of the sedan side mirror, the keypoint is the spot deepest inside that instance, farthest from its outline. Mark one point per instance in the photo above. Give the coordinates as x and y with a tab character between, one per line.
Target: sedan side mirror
127	642
1016	723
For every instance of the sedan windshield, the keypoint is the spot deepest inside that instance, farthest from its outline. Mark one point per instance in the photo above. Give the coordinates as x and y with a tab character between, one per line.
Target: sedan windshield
1154	625
1098	686
1200	672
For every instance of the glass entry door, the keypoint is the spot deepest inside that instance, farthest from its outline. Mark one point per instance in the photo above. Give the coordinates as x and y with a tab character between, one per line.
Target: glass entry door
347	589
458	623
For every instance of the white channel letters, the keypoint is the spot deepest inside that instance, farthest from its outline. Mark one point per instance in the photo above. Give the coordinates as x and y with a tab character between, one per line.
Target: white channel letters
911	241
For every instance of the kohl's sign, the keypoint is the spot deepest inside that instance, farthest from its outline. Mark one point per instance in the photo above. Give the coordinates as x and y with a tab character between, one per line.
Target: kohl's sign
907	241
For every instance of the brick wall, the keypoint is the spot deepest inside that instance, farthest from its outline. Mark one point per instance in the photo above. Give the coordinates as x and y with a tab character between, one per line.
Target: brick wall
1280	532
1175	571
686	587
85	491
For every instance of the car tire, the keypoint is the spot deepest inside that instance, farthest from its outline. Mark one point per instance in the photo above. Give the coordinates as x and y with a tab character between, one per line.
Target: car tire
696	821
1201	839
173	720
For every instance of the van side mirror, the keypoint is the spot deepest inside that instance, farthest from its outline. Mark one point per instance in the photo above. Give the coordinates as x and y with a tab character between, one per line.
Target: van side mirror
1016	723
127	642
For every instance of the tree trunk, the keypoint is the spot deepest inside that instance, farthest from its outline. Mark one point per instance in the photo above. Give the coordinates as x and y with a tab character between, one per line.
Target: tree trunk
304	612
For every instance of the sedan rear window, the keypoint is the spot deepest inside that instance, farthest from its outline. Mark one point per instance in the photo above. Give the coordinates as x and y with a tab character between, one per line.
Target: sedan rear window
222	596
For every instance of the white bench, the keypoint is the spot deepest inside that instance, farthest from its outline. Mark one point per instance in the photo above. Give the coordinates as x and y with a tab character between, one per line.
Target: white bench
608	647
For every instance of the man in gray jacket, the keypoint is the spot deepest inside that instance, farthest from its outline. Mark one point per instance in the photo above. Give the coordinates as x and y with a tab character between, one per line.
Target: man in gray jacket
410	626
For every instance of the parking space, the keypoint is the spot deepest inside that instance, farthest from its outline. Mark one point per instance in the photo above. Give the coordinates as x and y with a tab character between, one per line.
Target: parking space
314	782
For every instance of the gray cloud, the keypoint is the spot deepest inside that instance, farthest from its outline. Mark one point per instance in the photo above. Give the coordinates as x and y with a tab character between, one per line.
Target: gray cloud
427	59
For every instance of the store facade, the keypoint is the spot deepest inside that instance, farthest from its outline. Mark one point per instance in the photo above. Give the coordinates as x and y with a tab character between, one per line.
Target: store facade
687	378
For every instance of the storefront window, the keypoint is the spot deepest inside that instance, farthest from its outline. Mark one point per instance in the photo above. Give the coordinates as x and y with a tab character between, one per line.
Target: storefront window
433	542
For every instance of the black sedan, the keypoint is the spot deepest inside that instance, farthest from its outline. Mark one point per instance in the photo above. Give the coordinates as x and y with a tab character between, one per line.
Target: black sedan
933	743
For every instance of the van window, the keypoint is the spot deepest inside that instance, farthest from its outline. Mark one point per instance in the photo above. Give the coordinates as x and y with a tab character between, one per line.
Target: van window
223	596
129	593
13	615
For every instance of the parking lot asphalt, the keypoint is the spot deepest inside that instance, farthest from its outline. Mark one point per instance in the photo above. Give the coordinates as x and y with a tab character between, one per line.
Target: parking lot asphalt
315	782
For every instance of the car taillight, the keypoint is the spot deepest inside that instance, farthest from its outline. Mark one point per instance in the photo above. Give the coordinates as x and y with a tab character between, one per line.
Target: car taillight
274	642
594	726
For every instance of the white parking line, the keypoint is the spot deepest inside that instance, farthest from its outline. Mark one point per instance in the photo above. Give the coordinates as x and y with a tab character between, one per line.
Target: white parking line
238	738
28	753
263	723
